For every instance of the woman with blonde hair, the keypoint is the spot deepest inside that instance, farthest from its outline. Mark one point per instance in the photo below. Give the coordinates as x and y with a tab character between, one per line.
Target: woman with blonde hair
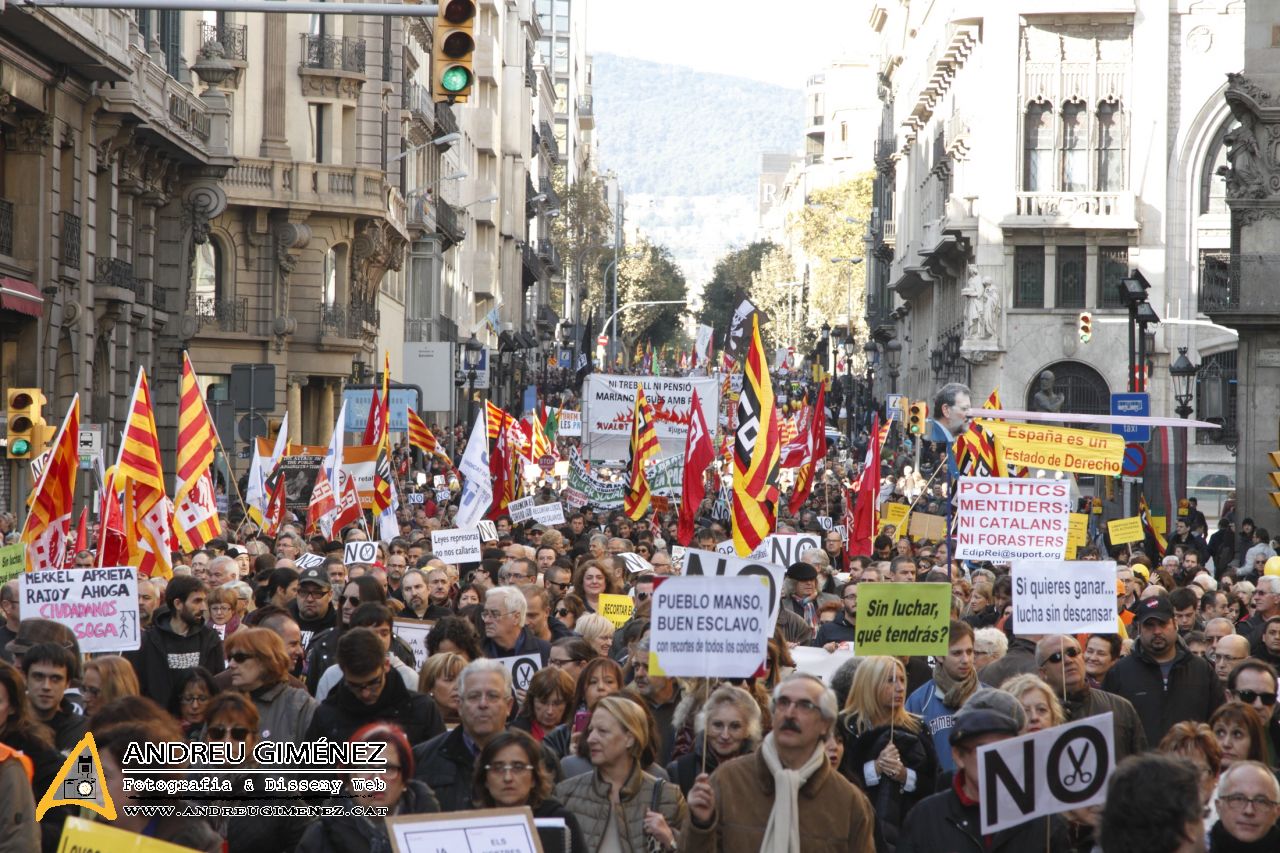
438	679
726	726
888	751
1044	710
106	679
596	630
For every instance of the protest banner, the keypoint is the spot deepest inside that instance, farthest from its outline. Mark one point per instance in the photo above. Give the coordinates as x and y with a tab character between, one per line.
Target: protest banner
415	499
1122	531
703	627
635	563
1080	451
550	514
903	619
88	836
520	510
1077	533
354	553
443	496
1064	597
308	561
616	608
480	831
99	605
1047	772
819	662
1009	518
587	488
608	401
522	669
716	564
824	521
894	515
923	527
414	633
780	548
13	561
456	546
570	423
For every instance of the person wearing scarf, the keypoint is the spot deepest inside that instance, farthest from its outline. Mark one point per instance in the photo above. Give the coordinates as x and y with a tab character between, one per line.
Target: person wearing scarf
955	678
785	797
802	592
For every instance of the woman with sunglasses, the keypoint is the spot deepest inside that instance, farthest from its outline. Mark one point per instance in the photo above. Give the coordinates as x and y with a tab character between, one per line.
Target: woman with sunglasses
510	773
190	700
259	666
323	649
569	608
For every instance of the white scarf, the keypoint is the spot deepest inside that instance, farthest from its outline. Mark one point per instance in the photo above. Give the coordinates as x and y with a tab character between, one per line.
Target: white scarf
782	833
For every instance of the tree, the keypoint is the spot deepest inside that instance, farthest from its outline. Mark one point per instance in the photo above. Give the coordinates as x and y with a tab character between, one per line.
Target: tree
729	285
782	308
826	232
583	234
647	273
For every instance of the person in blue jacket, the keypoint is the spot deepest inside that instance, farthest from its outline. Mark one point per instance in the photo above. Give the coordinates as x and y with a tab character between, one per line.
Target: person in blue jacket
954	680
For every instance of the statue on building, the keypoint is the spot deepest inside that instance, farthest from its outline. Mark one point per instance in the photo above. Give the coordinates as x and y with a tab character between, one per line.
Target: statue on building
1047	399
981	309
1244	175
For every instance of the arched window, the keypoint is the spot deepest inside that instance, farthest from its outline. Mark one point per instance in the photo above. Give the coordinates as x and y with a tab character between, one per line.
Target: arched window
1075	148
1110	146
1037	175
1084	389
206	274
1213	187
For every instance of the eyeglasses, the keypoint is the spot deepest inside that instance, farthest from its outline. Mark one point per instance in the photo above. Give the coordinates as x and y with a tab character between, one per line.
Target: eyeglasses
220	732
241	657
494	615
642	596
353	600
1239	801
1056	657
785	702
561	611
1248	697
558	585
366	686
312	592
194	700
487	695
503	769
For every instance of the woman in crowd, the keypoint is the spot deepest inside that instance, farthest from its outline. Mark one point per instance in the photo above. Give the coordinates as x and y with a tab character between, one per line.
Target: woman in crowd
592	580
548	703
1197	743
728	725
438	680
1240	733
106	679
456	635
1036	697
259	666
20	730
191	694
600	677
888	751
510	773
401	795
468	596
222	610
569	609
618	805
596	630
572	654
580	761
1101	652
977	611
989	645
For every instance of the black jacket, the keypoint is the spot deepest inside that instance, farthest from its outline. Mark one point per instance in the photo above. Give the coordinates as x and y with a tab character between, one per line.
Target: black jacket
350	834
943	824
684	770
1193	693
888	799
1130	736
553	841
1221	841
446	765
68	725
323	653
311	628
526	644
838	630
342	712
164	656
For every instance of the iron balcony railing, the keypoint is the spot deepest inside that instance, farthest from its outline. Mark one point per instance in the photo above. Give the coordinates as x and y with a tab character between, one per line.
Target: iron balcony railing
333	53
229	315
71	230
230	36
446	121
6	227
113	272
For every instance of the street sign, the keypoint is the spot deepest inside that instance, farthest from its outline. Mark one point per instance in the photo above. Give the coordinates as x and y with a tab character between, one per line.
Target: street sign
89	445
1135	460
1134	405
602	341
896	406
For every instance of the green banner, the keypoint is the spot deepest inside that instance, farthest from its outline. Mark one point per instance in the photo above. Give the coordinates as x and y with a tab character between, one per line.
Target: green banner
13	560
666	476
903	619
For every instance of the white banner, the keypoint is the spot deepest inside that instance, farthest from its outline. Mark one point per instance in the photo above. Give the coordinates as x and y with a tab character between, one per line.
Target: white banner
456	546
550	514
1044	773
99	605
1008	518
607	403
707	627
712	564
520	510
414	633
782	549
1064	597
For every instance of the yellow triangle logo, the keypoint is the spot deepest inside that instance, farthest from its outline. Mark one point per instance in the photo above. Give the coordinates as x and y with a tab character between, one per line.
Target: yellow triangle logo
80	782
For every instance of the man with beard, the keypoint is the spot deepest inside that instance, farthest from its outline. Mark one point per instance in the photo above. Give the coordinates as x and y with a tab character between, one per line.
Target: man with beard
312	608
1061	665
417	599
954	680
439	593
178	639
1162	679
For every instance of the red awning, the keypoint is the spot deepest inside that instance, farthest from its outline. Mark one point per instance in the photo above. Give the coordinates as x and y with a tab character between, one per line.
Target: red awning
21	296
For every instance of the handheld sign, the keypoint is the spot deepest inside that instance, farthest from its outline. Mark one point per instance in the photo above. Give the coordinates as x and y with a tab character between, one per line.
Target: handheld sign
1044	773
1077	533
1125	530
903	619
550	514
522	669
1064	597
13	561
635	563
709	627
616	608
488	531
479	831
310	561
359	552
456	546
520	510
99	605
1008	518
706	563
782	549
414	633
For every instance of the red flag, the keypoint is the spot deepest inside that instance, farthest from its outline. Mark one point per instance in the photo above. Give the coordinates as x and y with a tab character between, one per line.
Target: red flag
48	523
113	549
275	507
349	511
699	453
500	468
81	541
815	449
866	509
371	434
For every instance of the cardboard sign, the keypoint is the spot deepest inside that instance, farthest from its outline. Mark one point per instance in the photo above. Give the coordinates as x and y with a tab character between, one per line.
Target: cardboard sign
1064	597
521	510
92	836
480	831
616	608
819	662
488	531
1080	451
360	552
824	521
456	546
706	627
414	633
551	514
903	619
708	563
415	499
635	563
894	514
1077	532
443	496
1009	518
309	561
570	423
1125	530
13	561
924	527
1044	773
100	605
522	669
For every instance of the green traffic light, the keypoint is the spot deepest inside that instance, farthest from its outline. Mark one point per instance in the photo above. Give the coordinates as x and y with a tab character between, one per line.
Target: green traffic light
19	447
455	79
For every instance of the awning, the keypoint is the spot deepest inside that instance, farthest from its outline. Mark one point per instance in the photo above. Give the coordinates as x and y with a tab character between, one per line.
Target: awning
21	296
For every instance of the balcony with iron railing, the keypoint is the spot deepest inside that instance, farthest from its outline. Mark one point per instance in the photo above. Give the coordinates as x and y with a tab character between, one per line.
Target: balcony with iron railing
6	227
553	198
447	223
232	37
114	272
71	231
224	315
415	98
333	53
446	121
550	145
586	112
533	268
550	255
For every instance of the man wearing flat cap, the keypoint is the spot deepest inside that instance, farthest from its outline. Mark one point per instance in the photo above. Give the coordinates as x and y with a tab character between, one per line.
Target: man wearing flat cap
800	592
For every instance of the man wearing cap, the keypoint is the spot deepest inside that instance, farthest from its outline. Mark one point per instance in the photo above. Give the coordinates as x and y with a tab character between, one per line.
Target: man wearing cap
312	608
800	592
1162	679
1061	665
949	820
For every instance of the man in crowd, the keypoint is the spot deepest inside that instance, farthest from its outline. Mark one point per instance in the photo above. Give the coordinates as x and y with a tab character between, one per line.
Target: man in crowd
661	694
222	570
1248	805
1227	653
538	616
505	633
148	600
558	580
312	608
439	593
786	795
1185	603
1267	647
1134	820
397	562
840	629
9	617
178	640
801	592
1266	603
417	598
954	681
1061	665
282	587
1213	605
1254	683
50	670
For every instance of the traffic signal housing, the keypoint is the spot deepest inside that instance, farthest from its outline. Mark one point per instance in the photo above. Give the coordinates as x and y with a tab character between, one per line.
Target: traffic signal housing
453	52
917	417
1086	327
25	422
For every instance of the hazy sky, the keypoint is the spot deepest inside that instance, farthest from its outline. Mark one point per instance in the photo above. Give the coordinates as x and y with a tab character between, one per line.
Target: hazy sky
777	41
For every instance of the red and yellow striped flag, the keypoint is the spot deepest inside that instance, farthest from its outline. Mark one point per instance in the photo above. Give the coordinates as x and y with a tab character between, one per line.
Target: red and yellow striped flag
496	419
644	447
539	444
384	496
48	523
148	531
756	451
421	437
195	510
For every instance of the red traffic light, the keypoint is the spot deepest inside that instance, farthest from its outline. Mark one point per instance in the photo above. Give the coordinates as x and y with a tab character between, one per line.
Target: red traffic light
458	11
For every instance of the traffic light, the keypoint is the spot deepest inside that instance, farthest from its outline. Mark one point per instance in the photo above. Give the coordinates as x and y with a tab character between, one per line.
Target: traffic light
452	69
26	423
1274	456
916	419
1086	327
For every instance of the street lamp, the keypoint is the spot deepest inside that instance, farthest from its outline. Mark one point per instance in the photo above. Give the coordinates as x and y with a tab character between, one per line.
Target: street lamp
893	355
472	349
1184	374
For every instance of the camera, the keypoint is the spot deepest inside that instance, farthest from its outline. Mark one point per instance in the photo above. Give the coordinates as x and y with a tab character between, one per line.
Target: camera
77	789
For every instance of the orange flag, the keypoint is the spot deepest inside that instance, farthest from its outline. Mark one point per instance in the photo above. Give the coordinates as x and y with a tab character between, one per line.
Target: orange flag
48	523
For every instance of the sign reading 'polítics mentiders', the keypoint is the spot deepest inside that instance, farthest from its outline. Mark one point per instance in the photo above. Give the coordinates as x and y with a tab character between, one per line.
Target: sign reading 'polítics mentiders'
1007	518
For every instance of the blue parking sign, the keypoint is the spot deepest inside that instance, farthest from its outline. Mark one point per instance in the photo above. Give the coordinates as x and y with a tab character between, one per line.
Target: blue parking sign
1134	405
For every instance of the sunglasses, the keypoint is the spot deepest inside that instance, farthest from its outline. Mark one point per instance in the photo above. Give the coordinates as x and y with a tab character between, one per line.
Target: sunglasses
562	612
642	596
220	732
241	657
1248	697
1056	657
353	600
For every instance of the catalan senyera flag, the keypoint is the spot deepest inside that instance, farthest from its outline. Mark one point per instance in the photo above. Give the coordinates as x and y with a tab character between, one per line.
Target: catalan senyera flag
275	514
993	402
644	447
816	442
539	444
195	514
384	496
48	522
421	437
148	530
756	451
496	419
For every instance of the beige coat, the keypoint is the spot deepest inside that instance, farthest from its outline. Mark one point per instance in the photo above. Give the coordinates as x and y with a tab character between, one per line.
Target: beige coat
587	797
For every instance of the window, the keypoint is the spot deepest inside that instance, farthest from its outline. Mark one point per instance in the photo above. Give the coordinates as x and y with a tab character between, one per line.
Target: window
171	41
1075	151
1028	266
206	274
1216	390
1213	187
561	59
1113	265
1037	173
330	280
1071	266
319	133
1110	147
1216	291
